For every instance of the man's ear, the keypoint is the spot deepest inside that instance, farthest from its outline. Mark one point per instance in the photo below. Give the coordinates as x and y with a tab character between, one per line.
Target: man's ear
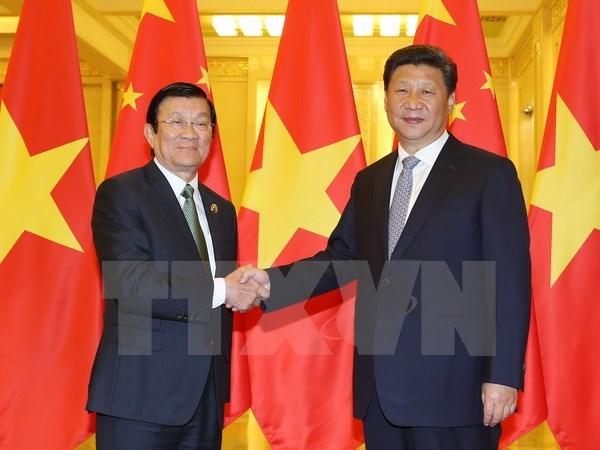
149	133
451	102
385	101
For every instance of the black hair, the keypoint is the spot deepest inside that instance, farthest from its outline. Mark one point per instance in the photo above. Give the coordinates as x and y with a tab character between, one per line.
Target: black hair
428	55
179	89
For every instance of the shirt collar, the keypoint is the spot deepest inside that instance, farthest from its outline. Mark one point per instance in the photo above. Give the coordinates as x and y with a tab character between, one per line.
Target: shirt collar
429	153
177	183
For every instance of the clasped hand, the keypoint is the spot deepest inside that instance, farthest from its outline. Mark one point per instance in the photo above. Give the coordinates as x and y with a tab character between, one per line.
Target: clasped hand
246	288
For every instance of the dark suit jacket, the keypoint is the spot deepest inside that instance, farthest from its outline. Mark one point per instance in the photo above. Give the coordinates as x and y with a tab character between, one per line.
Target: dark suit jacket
160	331
471	208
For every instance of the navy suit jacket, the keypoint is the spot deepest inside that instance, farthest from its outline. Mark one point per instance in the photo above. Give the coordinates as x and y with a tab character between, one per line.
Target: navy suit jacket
161	335
470	208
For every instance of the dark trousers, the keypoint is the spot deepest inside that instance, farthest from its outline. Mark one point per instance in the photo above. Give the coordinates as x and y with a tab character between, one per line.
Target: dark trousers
382	435
202	432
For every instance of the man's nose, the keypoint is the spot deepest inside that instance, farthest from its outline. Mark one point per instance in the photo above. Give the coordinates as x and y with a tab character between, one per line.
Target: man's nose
189	130
413	102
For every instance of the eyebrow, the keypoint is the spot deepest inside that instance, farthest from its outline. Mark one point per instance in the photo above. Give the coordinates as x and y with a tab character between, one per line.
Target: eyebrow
181	113
421	82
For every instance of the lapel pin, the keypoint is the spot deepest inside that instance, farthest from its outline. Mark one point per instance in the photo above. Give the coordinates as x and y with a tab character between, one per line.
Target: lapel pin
214	208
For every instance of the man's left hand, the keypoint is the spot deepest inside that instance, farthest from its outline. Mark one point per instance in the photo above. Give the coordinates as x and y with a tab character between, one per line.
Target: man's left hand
499	402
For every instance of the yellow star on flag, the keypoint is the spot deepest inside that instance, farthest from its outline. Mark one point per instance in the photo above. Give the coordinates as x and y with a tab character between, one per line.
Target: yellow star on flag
489	84
205	79
437	10
158	8
457	113
289	190
27	184
569	190
130	96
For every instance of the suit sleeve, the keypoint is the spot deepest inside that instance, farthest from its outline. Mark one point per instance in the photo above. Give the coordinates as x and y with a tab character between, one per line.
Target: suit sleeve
133	276
505	240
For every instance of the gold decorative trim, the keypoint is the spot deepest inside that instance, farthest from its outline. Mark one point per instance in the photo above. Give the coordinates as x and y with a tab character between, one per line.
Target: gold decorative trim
3	67
364	107
499	67
558	10
493	19
87	70
228	67
363	98
524	56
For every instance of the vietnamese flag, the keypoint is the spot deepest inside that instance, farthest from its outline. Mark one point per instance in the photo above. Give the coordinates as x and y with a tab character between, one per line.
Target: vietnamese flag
168	48
308	151
565	231
455	26
51	307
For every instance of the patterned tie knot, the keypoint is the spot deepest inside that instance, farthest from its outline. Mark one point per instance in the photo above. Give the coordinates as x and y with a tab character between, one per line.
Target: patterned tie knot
188	192
410	162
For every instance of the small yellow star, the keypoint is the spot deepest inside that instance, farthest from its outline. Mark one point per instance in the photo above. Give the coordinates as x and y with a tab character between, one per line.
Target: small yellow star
205	79
489	84
297	180
26	188
130	96
158	8
569	190
437	10
457	113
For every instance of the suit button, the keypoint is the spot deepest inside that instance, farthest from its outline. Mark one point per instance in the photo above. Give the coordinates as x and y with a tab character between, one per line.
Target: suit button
386	281
208	341
178	316
185	316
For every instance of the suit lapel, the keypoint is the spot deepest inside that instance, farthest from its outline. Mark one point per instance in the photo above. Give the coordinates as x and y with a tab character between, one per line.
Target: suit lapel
161	195
445	170
211	208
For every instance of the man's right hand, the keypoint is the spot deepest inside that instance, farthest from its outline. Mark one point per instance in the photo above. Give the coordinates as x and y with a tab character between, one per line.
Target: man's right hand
243	291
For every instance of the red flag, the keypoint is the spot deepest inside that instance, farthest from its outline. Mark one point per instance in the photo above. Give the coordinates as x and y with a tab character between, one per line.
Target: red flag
168	48
50	321
531	405
565	230
455	26
309	149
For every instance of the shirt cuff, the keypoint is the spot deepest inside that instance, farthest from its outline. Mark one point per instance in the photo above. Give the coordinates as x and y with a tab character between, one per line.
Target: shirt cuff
218	292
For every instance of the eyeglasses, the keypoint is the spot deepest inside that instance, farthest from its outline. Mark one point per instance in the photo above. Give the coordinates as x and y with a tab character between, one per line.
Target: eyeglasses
180	125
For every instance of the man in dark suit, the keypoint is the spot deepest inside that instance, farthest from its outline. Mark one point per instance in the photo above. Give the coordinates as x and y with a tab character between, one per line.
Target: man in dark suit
443	301
161	374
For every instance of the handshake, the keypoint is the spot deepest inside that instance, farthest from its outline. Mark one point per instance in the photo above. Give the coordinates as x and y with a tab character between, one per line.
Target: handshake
246	288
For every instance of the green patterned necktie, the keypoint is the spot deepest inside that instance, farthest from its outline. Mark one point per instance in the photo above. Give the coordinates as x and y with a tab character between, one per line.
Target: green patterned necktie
191	215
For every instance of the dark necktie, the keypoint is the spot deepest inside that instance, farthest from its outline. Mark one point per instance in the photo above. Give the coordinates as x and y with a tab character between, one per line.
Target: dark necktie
191	215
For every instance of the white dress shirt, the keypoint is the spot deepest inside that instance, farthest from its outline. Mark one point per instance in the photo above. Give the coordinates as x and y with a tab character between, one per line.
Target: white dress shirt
177	184
427	157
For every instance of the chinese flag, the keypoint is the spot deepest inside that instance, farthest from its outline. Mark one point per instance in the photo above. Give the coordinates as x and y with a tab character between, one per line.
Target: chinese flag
455	26
168	48
308	151
51	307
565	231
